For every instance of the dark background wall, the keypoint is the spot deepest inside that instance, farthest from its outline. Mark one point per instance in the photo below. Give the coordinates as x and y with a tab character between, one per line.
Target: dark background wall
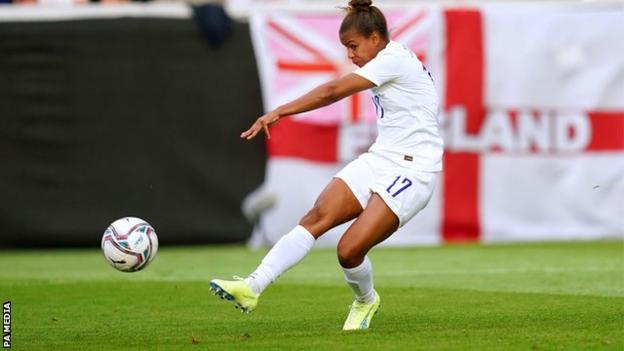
101	119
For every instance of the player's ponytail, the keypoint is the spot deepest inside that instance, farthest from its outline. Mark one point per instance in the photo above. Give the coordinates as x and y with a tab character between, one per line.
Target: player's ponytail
365	18
360	5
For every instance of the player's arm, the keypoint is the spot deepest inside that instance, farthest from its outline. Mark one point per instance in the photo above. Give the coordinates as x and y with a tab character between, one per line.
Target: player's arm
320	96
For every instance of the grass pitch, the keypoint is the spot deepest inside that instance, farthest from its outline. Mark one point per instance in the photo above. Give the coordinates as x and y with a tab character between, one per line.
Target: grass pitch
556	296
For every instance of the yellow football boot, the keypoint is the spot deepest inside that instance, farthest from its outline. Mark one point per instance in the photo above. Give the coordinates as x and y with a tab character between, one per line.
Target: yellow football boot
236	291
361	314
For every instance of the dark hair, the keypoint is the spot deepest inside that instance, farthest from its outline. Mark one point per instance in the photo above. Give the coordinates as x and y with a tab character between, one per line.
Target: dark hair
365	18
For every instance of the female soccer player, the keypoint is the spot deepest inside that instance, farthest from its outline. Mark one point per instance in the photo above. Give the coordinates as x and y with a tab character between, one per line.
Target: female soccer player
383	188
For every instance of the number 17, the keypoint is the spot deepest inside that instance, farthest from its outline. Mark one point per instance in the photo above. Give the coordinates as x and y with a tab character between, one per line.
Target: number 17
405	180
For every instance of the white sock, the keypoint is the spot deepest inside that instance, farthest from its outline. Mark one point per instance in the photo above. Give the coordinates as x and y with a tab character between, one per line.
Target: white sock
360	279
287	252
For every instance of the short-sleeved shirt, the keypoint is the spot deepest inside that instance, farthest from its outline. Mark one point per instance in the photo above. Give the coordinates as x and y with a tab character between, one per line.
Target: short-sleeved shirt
407	107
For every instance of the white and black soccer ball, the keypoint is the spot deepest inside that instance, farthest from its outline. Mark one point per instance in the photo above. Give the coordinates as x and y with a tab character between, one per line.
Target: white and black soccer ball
129	244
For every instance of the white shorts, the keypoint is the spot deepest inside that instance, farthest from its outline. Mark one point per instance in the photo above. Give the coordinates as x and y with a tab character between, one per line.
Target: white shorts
404	188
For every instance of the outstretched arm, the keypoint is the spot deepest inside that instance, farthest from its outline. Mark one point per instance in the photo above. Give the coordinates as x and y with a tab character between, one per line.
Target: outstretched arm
320	96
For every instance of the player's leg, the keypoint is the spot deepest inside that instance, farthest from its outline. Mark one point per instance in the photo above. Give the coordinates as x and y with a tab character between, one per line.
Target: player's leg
334	206
397	197
376	223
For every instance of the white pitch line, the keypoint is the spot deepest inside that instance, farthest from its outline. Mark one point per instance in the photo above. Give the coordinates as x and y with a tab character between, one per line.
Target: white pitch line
487	271
306	276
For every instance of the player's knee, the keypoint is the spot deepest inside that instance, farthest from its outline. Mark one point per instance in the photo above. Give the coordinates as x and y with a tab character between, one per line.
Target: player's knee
318	220
349	255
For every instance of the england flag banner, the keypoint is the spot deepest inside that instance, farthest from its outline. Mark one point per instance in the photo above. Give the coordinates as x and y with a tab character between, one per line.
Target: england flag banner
532	117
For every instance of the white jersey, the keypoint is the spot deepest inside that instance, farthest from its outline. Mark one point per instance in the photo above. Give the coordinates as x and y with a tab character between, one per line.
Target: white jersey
407	107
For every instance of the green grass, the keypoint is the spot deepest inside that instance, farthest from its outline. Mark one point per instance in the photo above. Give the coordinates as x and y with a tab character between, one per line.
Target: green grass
555	296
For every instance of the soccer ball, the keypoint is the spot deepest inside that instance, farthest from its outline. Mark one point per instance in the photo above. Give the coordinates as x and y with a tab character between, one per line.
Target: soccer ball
129	244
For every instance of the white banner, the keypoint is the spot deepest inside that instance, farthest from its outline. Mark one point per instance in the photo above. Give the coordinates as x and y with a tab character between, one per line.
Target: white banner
533	120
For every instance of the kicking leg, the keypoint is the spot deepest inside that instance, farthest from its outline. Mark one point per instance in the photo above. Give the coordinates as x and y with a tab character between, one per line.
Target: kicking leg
335	205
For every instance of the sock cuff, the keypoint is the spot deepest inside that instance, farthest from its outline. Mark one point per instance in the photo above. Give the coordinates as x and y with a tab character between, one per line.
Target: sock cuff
300	233
365	265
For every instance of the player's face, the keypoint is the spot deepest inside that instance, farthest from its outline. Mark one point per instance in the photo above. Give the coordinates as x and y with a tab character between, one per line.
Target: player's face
361	49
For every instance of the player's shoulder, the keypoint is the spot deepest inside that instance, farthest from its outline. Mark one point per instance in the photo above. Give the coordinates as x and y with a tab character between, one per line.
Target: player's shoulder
398	54
397	50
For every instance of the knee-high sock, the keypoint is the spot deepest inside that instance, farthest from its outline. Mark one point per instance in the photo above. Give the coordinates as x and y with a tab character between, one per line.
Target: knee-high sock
360	279
287	252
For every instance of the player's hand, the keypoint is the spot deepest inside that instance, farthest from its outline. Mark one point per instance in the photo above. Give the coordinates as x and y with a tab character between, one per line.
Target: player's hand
261	124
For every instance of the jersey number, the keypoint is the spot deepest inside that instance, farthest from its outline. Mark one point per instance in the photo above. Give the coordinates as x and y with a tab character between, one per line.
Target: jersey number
378	109
405	181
